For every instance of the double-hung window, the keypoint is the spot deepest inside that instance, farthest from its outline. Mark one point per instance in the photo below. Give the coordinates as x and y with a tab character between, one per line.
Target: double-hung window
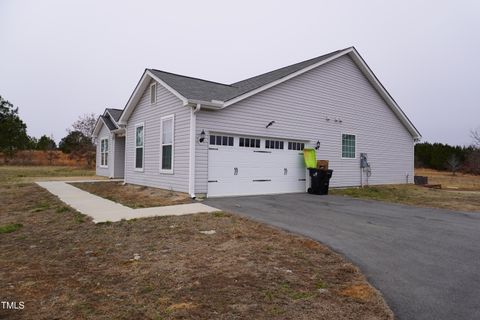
139	146
167	144
104	152
348	146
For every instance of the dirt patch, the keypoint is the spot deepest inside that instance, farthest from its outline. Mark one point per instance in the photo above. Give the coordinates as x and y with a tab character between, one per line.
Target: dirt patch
359	291
134	196
65	267
459	181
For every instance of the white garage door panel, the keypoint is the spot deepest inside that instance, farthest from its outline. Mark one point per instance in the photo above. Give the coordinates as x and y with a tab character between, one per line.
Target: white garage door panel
257	172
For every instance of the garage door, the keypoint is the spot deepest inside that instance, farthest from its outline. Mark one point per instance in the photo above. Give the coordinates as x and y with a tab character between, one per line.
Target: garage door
251	165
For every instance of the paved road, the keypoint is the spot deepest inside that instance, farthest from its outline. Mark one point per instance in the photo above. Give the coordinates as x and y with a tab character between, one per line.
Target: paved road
426	262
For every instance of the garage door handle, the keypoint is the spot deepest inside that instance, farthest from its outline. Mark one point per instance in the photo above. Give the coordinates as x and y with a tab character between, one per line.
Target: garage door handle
285	171
235	171
261	180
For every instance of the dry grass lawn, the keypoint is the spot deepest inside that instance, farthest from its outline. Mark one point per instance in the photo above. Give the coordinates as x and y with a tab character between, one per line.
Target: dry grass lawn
134	196
460	192
65	267
15	174
459	181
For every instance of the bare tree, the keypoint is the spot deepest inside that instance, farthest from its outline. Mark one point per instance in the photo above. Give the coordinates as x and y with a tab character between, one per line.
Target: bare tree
85	124
475	134
453	163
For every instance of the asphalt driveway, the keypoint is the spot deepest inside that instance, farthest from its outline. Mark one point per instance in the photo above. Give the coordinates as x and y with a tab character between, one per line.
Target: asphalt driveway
426	262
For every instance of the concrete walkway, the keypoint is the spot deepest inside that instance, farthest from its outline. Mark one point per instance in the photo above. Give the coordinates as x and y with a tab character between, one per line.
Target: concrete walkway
103	210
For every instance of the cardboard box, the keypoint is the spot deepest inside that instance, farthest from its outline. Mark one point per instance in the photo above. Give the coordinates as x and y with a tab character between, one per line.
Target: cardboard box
322	164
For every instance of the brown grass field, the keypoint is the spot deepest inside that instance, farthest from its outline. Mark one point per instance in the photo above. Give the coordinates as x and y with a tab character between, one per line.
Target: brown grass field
63	266
460	192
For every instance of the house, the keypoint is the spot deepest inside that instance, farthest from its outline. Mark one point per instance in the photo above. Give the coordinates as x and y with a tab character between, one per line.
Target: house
214	139
110	155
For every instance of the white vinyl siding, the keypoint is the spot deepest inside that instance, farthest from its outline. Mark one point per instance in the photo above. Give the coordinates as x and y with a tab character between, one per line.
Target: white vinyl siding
100	169
301	107
104	152
348	146
151	114
139	146
167	144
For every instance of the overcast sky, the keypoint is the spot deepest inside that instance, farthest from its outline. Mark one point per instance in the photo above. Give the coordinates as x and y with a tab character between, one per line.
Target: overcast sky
61	59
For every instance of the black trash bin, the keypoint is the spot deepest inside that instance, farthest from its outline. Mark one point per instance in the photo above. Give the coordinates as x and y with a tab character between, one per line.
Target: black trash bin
320	181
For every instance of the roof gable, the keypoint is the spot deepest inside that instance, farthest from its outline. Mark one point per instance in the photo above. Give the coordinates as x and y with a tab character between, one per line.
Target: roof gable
217	95
114	113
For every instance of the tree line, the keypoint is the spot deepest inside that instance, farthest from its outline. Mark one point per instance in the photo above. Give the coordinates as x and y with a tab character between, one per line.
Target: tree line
441	156
78	143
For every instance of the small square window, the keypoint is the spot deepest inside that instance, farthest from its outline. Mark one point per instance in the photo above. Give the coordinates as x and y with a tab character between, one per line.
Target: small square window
230	141
242	142
224	140
218	142
212	140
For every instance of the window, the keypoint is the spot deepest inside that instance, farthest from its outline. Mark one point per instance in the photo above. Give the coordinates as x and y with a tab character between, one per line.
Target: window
153	93
166	141
139	142
104	152
348	146
249	143
273	144
295	145
221	140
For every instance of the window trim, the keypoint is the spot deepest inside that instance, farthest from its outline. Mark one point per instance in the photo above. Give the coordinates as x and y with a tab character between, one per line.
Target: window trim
230	138
154	85
141	124
106	153
300	143
260	142
162	119
341	146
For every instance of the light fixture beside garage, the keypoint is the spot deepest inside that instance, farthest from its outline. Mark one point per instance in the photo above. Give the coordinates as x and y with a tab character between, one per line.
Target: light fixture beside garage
202	136
317	146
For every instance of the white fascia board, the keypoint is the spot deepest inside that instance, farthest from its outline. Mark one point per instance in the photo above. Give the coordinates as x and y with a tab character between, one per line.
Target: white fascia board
384	93
281	80
214	105
166	86
137	93
97	127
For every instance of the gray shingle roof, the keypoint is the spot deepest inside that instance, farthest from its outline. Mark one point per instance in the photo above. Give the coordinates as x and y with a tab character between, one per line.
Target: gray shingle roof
115	113
110	125
198	89
193	88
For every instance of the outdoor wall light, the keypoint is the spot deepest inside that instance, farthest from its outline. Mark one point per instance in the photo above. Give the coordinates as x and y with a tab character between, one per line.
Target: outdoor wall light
202	136
317	146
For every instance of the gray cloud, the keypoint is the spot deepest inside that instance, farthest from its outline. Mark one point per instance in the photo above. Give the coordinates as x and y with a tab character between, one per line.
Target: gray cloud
60	59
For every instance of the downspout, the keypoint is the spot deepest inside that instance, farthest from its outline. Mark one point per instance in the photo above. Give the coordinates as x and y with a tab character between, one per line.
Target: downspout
191	169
